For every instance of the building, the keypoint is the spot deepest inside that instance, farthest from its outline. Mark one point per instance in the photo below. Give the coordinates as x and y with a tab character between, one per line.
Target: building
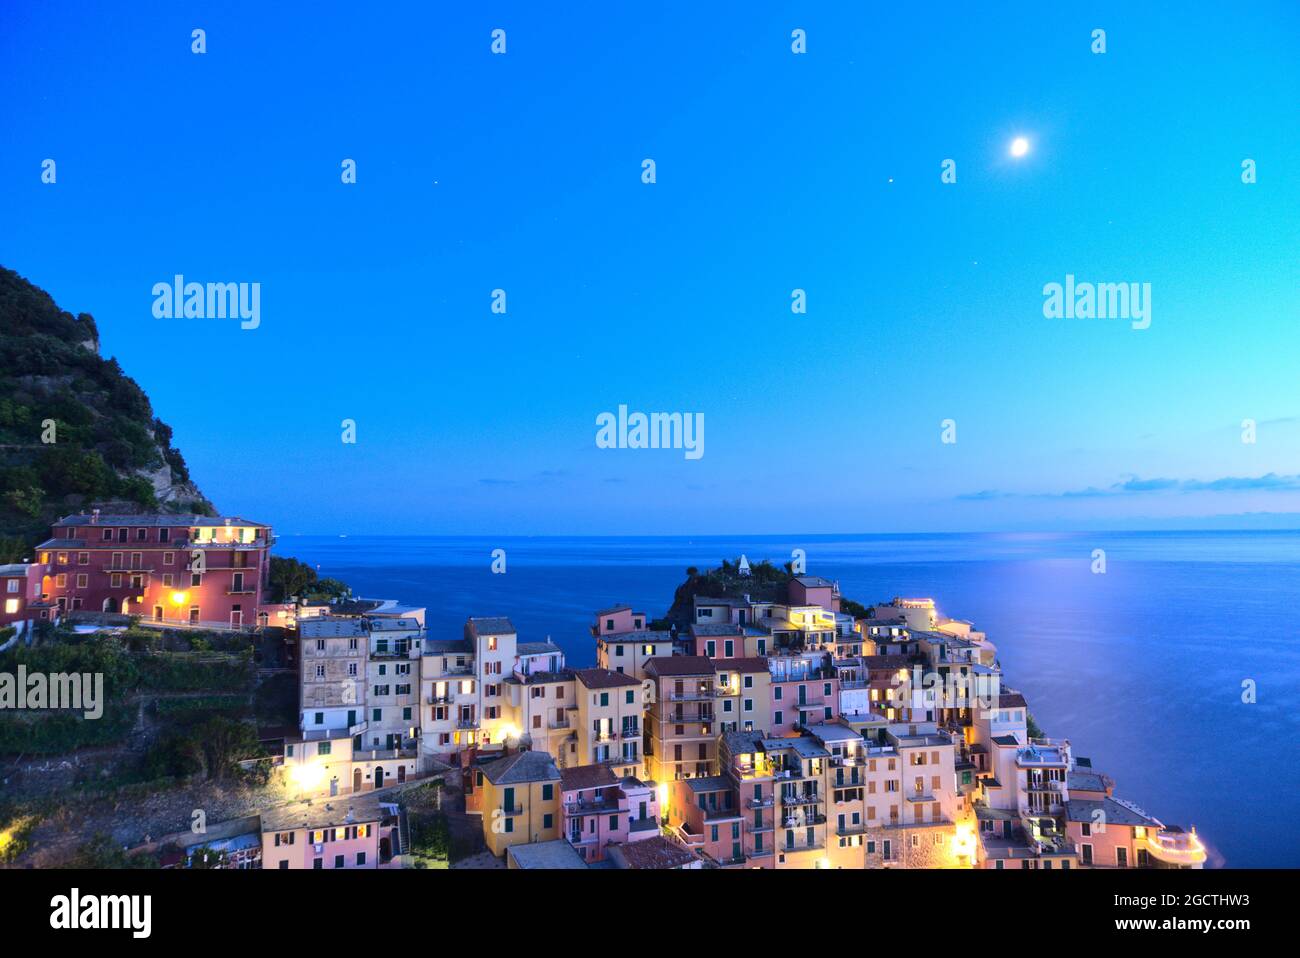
360	832
656	853
601	809
518	797
23	598
608	726
172	570
681	725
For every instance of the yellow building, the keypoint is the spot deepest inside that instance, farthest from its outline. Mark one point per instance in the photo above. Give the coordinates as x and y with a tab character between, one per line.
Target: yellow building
519	799
543	706
743	702
608	726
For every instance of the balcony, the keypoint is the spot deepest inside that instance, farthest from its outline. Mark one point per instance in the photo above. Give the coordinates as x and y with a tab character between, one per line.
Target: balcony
512	810
801	798
767	802
690	695
1177	847
466	723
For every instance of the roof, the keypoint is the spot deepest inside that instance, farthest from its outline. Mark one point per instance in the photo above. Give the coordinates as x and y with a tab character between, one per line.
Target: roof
615	608
814	582
751	663
679	665
1012	700
582	777
328	626
542	677
708	783
656	852
557	853
521	767
1114	811
637	635
805	745
393	625
442	646
536	648
743	743
834	733
716	628
491	625
187	519
1005	740
1086	781
14	568
324	814
724	600
604	679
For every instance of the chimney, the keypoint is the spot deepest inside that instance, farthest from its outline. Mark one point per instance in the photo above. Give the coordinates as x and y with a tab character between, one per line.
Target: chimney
94	517
350	817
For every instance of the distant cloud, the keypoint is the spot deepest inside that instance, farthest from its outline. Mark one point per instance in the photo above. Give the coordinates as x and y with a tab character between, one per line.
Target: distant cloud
1134	486
537	479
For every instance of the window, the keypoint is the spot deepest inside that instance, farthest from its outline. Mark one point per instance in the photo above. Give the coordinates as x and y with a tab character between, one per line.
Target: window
776	719
630	698
61	580
82	580
83	558
338	861
361	858
604	698
323	748
196	580
164	535
548	792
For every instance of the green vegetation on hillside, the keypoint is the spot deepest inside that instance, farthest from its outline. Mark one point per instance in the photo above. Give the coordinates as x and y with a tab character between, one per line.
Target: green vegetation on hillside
106	438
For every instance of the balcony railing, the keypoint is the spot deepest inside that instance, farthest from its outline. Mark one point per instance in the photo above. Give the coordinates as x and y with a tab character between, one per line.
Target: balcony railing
690	695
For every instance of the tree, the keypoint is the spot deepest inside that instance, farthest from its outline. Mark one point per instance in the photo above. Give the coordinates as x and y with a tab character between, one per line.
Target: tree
290	577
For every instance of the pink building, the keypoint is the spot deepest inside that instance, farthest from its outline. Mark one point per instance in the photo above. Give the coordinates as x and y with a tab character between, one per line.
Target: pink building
814	590
194	570
619	618
805	691
357	833
708	820
601	809
22	597
718	640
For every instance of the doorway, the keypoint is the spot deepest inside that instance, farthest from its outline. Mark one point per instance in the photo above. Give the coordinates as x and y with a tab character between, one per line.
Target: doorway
356	780
379	776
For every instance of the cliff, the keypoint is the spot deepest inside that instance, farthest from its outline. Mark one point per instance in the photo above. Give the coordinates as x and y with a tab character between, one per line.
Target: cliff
75	430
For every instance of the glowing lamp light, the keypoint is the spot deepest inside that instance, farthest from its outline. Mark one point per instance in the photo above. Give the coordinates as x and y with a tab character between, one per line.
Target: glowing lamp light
178	598
307	776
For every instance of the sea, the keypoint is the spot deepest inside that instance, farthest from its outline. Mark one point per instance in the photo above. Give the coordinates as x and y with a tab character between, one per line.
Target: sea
1176	670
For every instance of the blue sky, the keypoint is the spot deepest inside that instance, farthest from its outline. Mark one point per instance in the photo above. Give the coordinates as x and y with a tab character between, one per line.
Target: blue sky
775	171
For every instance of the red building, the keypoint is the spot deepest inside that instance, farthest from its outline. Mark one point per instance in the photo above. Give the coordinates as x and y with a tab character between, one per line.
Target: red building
197	570
21	591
